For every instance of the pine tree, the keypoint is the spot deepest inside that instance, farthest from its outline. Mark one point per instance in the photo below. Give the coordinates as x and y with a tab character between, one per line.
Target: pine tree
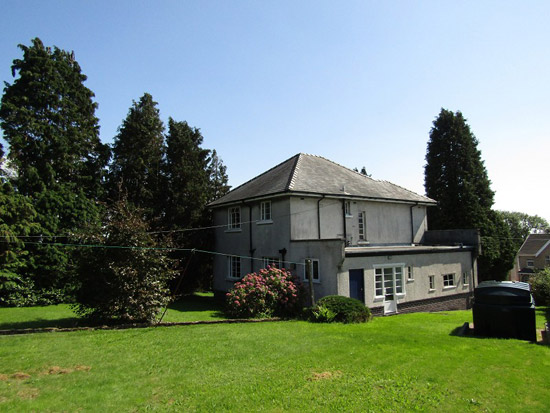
456	177
188	189
138	156
48	119
17	217
218	177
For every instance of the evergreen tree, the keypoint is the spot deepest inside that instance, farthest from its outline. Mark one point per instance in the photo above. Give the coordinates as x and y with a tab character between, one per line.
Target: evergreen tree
17	216
218	177
188	189
48	119
456	177
138	153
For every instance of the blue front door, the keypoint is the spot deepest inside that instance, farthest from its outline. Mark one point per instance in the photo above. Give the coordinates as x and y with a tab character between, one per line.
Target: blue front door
357	285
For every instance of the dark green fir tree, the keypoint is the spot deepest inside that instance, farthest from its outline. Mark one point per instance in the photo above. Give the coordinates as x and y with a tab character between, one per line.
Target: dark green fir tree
456	177
188	189
136	171
48	119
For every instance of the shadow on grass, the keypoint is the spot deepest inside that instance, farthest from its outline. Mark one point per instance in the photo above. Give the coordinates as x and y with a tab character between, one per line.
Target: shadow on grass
198	303
68	322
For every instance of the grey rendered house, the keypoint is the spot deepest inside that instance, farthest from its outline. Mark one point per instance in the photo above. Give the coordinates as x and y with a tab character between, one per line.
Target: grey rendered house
367	239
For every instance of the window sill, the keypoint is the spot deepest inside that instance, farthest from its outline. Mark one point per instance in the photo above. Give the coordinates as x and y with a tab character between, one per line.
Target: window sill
410	280
431	290
305	281
363	242
265	222
232	279
449	287
233	230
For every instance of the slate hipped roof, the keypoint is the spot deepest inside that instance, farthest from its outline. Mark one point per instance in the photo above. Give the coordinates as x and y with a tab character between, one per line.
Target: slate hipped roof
313	175
534	244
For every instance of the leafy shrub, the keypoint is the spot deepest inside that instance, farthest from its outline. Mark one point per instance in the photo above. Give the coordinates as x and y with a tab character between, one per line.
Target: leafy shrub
540	287
122	285
322	314
345	310
16	291
270	293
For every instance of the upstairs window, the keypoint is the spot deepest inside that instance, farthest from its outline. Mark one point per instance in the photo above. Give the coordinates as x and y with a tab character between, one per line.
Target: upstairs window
361	226
265	211
234	218
410	275
530	263
547	260
347	208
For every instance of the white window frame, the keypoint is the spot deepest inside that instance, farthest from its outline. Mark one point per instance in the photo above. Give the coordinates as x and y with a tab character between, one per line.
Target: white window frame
362	226
269	261
410	273
431	283
530	263
347	208
449	281
265	212
398	288
234	269
465	279
315	269
234	218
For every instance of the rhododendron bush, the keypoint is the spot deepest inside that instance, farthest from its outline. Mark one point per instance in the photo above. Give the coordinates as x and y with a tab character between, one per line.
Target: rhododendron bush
272	292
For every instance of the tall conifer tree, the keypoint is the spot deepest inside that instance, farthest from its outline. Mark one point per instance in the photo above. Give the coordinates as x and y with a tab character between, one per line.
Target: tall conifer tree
188	184
456	177
138	157
218	177
48	119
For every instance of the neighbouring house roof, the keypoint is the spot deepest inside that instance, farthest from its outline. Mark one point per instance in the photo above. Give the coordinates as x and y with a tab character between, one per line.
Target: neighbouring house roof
305	174
535	244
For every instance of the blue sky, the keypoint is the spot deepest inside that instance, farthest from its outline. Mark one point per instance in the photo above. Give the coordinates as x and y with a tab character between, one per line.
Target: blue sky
358	82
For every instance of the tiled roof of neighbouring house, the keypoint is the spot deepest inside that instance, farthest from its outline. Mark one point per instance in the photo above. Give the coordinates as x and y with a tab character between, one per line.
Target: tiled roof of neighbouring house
534	244
314	175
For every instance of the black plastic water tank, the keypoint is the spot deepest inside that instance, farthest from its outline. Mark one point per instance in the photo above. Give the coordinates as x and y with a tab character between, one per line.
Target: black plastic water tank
504	309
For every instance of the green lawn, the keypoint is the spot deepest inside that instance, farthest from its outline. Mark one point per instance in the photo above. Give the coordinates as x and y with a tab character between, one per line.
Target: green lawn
404	362
197	307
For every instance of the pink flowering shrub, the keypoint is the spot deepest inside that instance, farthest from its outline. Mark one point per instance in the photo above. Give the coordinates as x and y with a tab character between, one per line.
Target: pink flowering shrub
270	293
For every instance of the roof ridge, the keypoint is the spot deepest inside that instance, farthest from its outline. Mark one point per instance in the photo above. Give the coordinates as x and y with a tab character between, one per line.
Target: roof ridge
262	174
292	178
342	166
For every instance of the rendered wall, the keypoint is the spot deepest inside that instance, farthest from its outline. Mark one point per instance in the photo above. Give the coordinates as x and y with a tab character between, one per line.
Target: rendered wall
424	265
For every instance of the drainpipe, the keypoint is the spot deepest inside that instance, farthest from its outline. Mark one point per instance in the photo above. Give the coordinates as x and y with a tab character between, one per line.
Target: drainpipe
319	215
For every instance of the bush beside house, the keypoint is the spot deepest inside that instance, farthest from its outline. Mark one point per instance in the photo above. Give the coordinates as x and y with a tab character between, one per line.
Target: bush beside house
271	292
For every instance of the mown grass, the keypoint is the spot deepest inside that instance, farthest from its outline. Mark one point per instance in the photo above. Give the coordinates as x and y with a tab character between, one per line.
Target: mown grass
405	362
197	307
